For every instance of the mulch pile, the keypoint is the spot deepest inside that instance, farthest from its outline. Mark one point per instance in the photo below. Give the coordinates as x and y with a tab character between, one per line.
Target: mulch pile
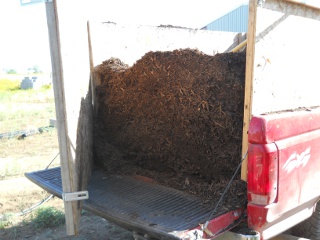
175	117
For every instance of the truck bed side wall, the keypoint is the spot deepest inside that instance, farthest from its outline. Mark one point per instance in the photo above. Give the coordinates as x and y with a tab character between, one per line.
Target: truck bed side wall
296	136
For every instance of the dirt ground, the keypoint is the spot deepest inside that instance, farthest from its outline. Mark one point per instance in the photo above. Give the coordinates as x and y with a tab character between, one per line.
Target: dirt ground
17	193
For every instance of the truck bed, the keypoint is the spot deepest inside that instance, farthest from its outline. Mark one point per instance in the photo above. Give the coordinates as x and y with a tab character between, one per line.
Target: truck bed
140	205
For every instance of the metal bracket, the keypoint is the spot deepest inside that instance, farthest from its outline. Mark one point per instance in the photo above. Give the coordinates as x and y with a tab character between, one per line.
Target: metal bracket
75	196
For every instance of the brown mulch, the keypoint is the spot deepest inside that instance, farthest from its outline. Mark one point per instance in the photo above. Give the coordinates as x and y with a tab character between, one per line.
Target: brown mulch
176	117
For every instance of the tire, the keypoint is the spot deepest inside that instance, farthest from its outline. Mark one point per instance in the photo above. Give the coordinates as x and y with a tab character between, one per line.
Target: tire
310	228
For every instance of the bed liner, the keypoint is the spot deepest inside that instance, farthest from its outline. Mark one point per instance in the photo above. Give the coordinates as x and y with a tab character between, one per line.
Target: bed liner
135	203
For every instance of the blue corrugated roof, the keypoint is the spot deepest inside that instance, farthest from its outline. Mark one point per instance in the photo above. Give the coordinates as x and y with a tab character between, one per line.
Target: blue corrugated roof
234	21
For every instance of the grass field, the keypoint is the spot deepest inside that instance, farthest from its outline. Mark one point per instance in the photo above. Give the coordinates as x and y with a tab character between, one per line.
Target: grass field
9	85
24	109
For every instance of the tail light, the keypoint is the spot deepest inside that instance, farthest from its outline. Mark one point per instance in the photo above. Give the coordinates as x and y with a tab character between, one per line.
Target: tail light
262	173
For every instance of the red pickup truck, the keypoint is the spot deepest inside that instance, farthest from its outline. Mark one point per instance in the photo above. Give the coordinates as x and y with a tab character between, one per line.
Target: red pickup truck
283	188
283	146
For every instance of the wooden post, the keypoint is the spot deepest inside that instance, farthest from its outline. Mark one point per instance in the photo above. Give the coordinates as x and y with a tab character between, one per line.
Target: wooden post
92	82
67	166
251	39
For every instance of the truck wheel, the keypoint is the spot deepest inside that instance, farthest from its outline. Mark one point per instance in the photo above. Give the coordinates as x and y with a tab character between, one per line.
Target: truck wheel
309	228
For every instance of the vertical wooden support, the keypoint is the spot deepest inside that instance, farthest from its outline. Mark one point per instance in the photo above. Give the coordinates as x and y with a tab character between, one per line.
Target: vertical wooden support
67	165
92	82
251	39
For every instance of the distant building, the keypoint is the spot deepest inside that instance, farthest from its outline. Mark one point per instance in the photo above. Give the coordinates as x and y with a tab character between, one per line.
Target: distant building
234	21
27	83
35	82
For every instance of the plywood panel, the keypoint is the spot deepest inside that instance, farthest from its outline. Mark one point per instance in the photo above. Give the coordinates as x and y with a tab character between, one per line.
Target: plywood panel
130	43
286	71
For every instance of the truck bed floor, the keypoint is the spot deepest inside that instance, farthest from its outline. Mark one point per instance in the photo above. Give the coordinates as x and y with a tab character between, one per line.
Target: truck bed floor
132	203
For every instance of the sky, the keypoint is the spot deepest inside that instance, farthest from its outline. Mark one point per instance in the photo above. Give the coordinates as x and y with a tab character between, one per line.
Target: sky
24	39
24	36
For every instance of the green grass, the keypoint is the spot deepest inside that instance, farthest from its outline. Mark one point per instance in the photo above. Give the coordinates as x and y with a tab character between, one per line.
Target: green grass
6	220
46	217
43	217
26	109
9	85
10	170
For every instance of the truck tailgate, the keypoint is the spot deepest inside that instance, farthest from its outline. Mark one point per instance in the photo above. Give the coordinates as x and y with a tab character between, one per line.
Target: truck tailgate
142	206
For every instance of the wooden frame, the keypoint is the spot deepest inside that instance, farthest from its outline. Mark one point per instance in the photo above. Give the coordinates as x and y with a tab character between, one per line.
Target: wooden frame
287	8
67	136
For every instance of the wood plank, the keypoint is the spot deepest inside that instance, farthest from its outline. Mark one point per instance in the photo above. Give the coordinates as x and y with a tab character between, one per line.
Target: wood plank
251	39
72	218
304	3
293	7
130	42
93	83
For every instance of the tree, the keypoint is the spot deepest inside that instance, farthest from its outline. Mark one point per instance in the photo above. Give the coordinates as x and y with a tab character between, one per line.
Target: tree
35	69
11	71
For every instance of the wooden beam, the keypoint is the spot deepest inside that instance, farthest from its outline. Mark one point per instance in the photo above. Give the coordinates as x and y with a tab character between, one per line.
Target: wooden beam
67	167
301	2
251	39
92	81
293	7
